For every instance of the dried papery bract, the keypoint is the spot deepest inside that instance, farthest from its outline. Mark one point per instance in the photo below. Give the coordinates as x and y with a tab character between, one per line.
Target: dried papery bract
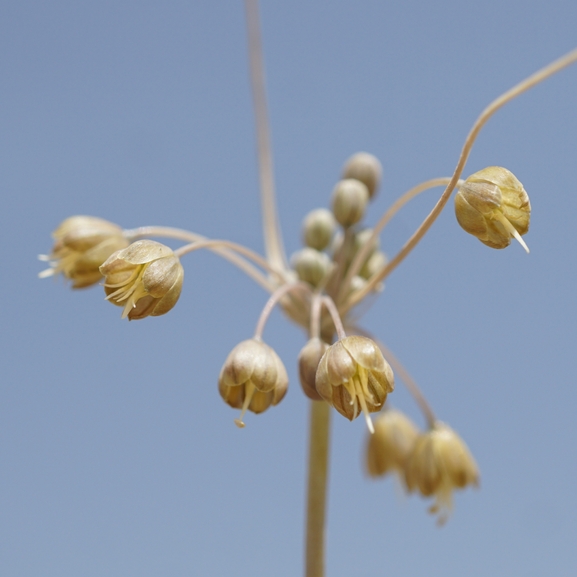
493	206
366	168
392	443
144	278
252	378
309	359
440	463
353	376
81	245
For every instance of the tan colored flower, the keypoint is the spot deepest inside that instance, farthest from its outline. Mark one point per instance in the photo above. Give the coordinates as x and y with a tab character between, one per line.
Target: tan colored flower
440	463
493	206
353	376
82	244
144	278
392	443
252	378
309	359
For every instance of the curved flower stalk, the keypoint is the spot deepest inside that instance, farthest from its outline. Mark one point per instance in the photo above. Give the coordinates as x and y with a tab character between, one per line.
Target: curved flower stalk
340	265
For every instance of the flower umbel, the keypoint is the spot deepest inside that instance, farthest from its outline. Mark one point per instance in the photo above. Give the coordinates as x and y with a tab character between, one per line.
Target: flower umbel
440	463
353	376
252	378
81	245
335	271
144	278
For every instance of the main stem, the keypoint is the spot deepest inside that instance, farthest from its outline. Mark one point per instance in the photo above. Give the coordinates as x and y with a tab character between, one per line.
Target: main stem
319	435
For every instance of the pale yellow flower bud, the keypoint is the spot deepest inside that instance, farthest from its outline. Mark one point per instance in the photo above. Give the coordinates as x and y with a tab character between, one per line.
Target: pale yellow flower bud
82	244
392	443
318	228
252	378
493	206
144	278
366	168
309	359
439	463
311	265
353	376
349	201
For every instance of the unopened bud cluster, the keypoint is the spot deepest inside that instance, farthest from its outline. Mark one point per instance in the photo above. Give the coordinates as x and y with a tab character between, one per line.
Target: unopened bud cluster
333	237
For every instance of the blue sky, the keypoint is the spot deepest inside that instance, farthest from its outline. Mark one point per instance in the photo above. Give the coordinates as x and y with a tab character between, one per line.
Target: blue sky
118	456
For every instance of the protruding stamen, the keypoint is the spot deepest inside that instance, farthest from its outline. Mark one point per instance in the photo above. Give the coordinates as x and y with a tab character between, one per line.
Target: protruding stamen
364	407
249	392
511	229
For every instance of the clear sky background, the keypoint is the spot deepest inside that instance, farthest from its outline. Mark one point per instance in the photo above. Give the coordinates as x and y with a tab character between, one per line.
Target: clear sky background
117	455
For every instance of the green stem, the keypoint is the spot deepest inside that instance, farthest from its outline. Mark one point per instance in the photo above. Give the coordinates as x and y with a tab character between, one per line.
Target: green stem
319	434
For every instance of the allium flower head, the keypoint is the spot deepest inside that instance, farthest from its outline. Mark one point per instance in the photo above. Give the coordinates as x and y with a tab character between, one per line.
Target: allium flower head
493	206
440	463
353	376
144	278
82	244
252	378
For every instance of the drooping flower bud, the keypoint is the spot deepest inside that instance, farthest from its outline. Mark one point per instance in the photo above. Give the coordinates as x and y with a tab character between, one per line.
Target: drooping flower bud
349	201
493	206
311	265
82	244
392	443
439	463
145	278
309	359
366	168
318	228
353	376
252	378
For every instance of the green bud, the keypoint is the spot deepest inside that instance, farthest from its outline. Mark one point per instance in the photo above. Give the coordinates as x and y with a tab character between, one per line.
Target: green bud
311	265
349	201
366	168
318	228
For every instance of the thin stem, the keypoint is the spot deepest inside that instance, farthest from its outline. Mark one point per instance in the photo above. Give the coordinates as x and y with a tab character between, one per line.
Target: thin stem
332	308
362	255
217	247
273	300
499	102
411	385
319	437
336	274
271	227
315	327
